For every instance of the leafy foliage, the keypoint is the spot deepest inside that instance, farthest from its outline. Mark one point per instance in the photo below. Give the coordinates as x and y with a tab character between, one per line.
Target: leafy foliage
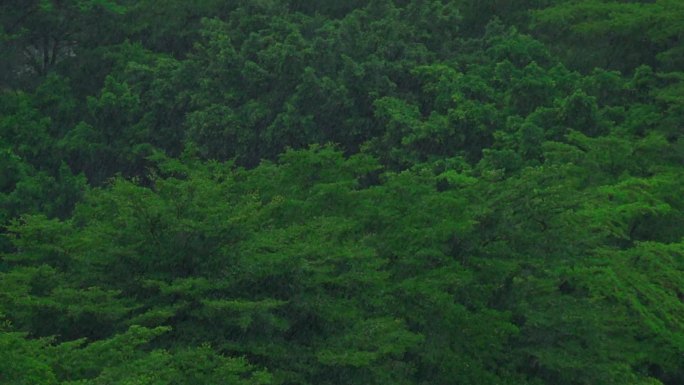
384	192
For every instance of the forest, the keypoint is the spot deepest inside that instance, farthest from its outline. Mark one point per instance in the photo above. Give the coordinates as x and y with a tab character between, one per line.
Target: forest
322	192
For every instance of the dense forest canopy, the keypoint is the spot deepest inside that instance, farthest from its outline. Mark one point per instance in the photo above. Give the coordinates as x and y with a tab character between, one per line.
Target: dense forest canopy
296	192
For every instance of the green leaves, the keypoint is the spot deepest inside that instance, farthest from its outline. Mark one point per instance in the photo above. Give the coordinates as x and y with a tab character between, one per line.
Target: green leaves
24	361
641	31
391	192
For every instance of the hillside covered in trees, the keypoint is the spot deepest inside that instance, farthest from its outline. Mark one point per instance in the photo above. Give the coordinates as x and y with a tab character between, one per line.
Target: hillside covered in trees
363	192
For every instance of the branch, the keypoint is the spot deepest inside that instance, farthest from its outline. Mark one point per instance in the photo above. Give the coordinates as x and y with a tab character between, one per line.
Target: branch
55	49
